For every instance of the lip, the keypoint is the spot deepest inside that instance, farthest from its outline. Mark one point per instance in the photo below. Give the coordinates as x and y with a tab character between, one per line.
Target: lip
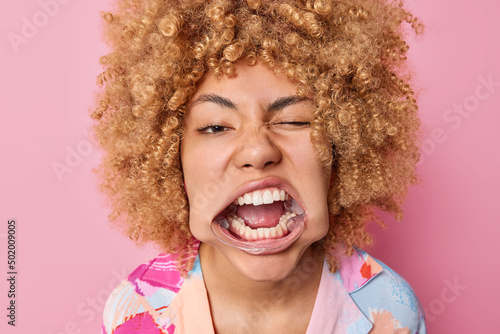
260	247
267	182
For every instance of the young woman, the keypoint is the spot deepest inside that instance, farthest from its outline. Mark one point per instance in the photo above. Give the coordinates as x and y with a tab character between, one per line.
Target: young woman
250	140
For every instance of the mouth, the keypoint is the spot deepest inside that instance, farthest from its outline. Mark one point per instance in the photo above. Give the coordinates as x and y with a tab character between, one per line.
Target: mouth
263	221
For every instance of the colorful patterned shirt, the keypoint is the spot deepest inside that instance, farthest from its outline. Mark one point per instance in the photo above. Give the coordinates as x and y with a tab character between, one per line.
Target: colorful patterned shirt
363	296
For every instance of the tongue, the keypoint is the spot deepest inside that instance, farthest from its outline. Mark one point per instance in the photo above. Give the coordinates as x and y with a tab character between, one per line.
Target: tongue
266	215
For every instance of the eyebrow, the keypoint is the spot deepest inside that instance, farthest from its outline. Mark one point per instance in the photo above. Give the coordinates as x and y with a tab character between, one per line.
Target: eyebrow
214	98
273	107
284	102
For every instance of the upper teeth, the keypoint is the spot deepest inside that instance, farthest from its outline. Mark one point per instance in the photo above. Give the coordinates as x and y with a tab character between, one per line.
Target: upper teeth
260	197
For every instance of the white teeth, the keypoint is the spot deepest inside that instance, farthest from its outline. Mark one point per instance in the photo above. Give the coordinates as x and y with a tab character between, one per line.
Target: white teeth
267	232
248	233
276	195
248	199
260	231
268	197
237	226
283	225
273	233
257	198
279	231
242	229
282	195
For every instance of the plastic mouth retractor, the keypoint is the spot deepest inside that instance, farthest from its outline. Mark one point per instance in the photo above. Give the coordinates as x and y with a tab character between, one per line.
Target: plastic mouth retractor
295	226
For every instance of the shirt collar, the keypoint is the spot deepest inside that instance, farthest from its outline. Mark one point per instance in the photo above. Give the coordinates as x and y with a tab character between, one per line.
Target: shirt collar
334	298
357	270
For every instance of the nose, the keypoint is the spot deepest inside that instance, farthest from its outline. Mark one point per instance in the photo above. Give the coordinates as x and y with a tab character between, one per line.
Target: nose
257	150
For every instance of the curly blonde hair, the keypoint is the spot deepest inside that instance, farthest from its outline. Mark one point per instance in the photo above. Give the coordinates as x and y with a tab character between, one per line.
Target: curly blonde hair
348	55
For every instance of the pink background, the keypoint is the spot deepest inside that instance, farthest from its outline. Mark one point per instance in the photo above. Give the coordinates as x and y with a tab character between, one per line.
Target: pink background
69	257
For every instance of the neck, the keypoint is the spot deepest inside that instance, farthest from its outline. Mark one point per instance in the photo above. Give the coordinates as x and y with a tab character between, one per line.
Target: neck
225	284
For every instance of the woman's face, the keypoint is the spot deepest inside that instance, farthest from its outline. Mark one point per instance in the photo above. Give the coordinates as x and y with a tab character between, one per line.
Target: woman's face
247	142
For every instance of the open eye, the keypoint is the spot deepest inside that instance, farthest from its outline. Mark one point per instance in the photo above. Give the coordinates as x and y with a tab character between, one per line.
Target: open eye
212	129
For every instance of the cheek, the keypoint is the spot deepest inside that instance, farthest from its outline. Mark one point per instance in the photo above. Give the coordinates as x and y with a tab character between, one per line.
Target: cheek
308	165
317	182
197	230
205	178
190	172
194	160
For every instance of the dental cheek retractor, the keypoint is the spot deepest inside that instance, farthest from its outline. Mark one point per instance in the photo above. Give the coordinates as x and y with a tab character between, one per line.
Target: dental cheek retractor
295	226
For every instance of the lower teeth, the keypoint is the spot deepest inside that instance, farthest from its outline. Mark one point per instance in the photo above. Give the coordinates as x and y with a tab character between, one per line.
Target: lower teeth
240	229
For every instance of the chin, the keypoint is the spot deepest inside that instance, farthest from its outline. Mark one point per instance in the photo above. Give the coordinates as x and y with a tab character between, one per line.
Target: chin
269	267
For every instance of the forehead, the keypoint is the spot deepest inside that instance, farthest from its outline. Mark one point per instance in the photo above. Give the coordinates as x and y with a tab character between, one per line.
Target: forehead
257	80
